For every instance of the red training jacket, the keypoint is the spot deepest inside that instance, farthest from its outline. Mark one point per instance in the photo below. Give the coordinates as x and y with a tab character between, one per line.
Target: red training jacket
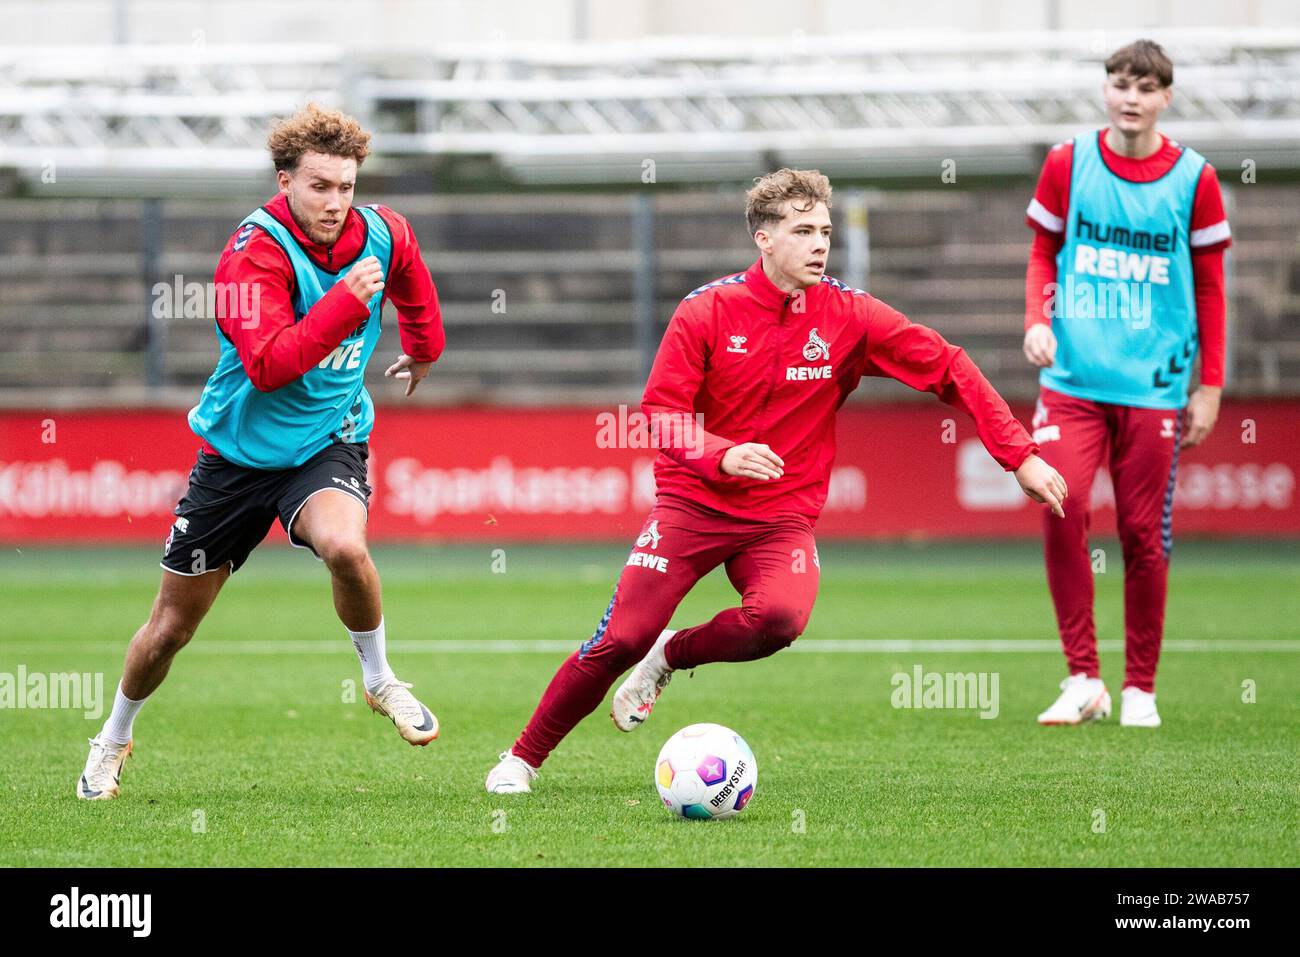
762	365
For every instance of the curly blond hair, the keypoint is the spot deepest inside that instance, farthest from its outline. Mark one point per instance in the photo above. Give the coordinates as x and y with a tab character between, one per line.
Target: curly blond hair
316	130
770	192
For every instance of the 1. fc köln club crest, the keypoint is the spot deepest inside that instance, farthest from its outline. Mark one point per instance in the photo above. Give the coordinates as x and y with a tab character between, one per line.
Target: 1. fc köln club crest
816	348
650	536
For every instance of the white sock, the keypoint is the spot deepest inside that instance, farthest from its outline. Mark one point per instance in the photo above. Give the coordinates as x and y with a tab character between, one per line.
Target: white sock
665	636
374	661
121	719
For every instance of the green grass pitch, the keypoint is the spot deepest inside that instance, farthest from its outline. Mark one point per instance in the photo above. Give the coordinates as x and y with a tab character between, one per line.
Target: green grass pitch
249	754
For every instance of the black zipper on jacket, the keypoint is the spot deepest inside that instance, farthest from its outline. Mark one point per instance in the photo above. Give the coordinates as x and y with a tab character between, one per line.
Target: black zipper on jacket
776	365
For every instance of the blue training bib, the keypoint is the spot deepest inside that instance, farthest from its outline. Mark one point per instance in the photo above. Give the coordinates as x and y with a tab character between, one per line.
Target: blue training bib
329	403
1125	309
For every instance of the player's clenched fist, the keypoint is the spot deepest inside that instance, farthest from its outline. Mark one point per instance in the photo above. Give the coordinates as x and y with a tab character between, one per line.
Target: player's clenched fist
365	279
752	460
1040	345
1043	484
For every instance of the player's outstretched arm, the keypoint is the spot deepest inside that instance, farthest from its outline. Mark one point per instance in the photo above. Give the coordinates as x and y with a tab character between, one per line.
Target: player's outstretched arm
1043	484
921	358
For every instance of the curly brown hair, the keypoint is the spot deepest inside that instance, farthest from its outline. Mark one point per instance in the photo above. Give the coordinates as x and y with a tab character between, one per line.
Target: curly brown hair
770	192
316	130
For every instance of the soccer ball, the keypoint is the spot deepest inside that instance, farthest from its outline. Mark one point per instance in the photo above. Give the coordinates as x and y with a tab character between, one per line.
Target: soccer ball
706	771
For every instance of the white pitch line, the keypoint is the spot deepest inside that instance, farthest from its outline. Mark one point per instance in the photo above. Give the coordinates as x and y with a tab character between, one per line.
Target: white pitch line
454	646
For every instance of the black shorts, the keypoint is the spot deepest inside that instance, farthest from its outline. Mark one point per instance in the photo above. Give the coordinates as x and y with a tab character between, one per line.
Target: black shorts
228	509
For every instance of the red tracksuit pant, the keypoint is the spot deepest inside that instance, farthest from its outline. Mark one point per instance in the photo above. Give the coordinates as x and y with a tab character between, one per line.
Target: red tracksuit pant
1141	445
773	565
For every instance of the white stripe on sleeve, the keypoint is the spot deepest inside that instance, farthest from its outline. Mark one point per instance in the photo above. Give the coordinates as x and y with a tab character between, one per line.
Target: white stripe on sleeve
1210	234
1049	220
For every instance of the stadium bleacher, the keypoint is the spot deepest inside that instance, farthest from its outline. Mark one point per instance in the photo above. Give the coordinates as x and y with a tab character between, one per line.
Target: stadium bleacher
79	292
565	181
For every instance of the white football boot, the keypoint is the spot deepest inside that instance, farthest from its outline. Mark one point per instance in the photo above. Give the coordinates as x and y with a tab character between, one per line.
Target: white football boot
101	779
636	697
1082	699
511	776
414	721
1137	708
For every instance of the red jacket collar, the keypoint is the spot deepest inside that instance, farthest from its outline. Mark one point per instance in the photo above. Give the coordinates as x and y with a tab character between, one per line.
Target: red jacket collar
345	249
1166	155
768	293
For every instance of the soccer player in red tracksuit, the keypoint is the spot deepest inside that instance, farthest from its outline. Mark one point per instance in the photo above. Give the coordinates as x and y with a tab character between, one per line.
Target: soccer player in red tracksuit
765	357
1125	279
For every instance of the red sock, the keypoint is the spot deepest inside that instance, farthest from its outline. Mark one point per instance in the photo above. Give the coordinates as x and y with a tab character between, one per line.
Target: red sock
575	692
625	633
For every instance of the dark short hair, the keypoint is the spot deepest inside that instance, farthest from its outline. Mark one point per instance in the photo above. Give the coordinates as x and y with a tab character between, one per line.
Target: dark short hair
1143	58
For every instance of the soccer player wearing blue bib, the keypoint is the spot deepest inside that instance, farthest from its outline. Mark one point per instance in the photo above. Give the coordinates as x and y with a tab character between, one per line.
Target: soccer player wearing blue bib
285	416
1124	290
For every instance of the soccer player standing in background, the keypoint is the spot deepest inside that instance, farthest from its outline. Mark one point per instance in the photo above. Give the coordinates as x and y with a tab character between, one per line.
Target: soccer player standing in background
285	416
765	357
1125	283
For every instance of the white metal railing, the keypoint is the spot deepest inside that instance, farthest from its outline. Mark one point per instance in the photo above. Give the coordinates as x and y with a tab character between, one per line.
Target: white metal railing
702	107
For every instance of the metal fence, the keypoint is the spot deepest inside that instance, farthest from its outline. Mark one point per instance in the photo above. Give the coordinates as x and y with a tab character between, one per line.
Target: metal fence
562	298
